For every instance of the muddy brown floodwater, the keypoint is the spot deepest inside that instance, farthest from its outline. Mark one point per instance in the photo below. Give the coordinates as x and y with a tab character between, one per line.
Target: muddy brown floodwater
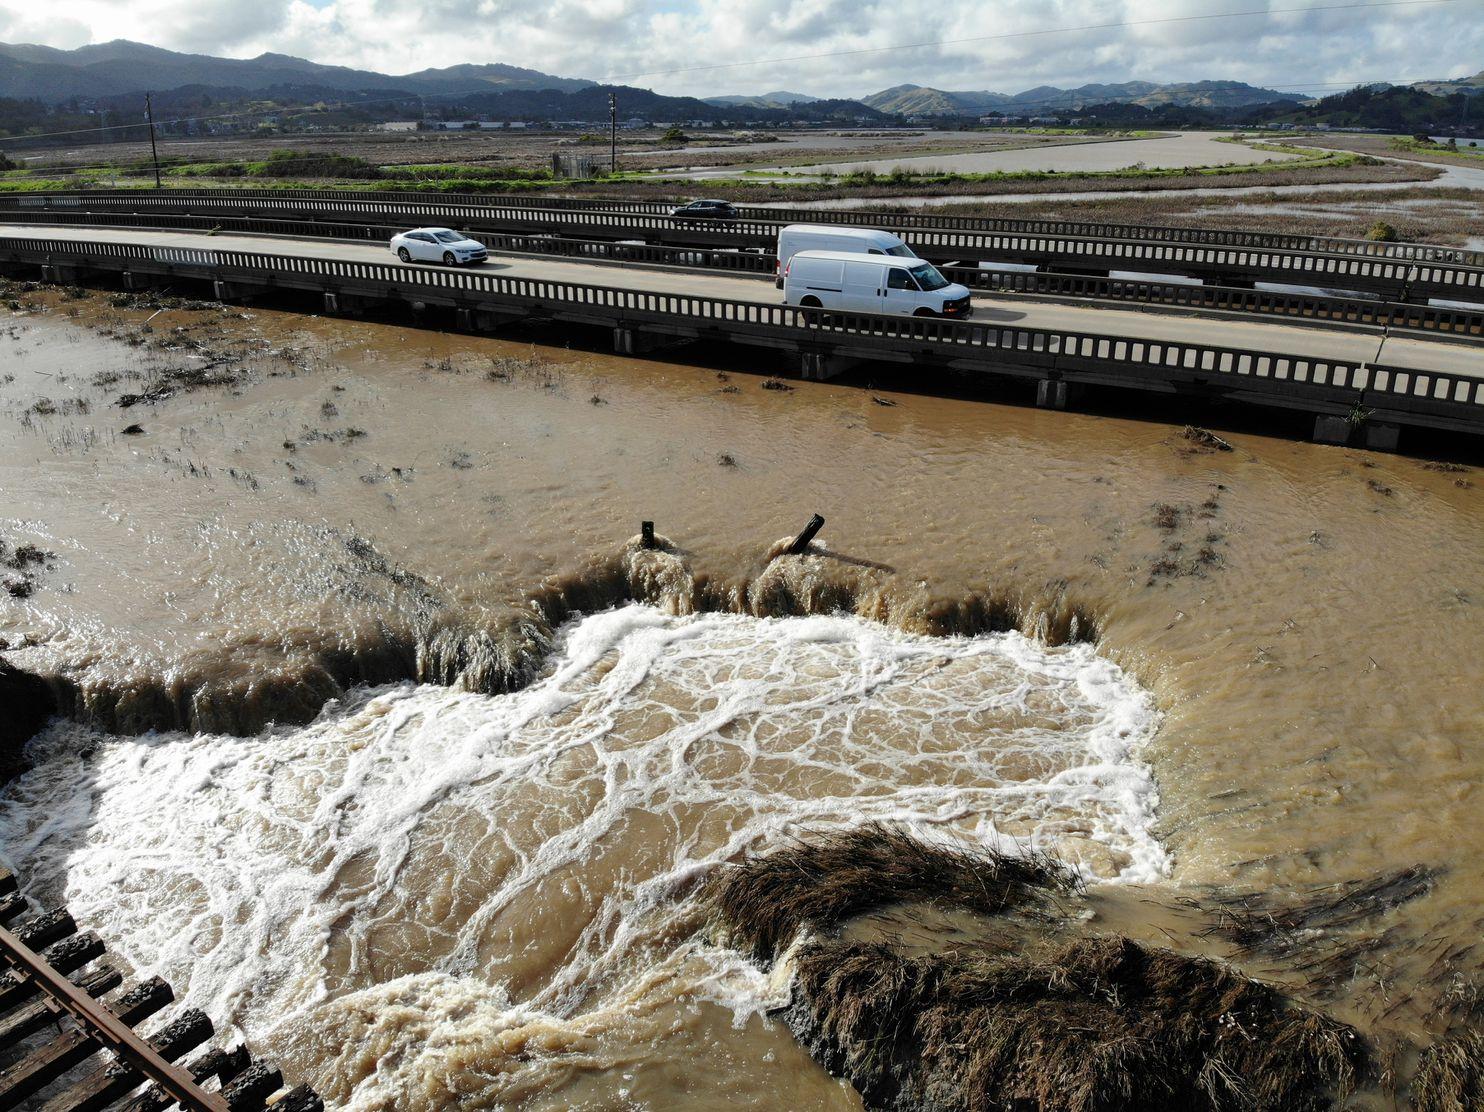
1239	675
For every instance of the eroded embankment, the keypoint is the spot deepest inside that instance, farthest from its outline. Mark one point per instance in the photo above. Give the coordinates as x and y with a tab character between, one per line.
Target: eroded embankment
1031	1001
239	688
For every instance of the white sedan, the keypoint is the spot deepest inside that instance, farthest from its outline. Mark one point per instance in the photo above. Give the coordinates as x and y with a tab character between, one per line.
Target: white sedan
437	245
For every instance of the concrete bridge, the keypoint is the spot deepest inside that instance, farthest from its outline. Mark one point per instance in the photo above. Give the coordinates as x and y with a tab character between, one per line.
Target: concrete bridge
1360	387
1404	272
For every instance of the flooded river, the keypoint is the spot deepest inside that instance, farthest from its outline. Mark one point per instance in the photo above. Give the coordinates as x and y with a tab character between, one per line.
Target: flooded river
391	749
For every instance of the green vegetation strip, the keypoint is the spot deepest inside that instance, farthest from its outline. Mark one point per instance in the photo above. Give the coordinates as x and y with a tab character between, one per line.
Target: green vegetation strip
1465	152
1138	171
291	169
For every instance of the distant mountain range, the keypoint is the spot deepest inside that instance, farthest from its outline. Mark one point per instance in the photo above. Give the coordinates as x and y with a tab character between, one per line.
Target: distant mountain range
113	74
766	100
591	104
113	68
1473	86
919	100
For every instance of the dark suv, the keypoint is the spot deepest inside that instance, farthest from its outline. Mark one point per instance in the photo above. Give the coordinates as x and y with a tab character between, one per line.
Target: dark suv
704	210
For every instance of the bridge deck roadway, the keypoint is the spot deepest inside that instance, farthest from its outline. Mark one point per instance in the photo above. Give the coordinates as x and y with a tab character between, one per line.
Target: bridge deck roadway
1359	346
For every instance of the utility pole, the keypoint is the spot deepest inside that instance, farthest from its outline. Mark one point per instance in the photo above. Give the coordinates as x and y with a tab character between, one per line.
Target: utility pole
612	134
154	154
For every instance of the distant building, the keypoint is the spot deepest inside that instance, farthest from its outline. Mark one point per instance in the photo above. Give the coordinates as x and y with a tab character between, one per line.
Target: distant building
471	125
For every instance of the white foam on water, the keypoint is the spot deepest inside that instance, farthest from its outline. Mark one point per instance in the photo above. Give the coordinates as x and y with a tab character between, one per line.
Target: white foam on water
538	846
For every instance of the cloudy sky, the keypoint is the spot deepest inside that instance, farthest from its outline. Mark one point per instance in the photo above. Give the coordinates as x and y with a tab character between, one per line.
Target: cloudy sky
1017	44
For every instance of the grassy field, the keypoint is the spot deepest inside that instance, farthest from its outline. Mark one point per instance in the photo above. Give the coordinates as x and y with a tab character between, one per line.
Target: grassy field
1401	146
519	164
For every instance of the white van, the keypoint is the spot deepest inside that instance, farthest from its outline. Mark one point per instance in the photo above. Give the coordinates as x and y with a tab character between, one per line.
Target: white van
862	283
826	237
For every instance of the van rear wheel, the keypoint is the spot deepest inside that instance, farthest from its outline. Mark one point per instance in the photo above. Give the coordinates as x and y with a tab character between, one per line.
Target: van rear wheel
810	303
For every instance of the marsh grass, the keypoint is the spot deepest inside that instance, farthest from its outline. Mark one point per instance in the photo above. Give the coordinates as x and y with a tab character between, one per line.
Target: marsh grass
1047	1017
1450	1074
1096	1024
819	883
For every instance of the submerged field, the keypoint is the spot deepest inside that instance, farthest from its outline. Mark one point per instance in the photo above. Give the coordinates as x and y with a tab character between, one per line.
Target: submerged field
452	762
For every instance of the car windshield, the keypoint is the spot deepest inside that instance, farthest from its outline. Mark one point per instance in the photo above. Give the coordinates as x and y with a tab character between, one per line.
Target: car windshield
902	251
447	237
928	277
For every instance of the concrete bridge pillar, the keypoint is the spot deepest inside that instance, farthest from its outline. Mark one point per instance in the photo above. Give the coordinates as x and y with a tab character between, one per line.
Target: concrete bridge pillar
227	291
820	366
1380	437
60	273
631	341
1056	394
488	320
344	304
1329	429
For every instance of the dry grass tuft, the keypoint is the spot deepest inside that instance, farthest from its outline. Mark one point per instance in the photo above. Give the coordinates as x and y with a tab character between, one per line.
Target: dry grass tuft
1097	1025
1045	1020
1450	1075
819	883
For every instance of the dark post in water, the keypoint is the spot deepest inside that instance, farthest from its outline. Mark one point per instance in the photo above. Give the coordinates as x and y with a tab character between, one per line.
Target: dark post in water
646	534
801	542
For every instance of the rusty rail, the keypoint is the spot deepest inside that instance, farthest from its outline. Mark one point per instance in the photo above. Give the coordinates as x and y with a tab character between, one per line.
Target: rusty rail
108	1030
43	979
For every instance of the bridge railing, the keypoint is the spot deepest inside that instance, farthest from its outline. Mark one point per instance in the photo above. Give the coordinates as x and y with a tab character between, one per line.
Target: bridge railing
1442	320
1088	355
773	215
1387	275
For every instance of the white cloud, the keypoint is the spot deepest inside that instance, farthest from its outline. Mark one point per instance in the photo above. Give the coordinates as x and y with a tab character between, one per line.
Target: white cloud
602	38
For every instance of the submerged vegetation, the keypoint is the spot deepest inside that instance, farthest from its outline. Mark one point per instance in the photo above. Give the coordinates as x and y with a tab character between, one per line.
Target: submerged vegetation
1040	1015
819	884
1450	1074
1098	1023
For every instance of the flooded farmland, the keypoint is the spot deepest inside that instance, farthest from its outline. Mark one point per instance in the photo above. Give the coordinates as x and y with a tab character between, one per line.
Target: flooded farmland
447	753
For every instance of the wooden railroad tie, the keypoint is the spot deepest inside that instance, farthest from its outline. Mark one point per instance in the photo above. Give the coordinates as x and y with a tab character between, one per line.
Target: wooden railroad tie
67	1038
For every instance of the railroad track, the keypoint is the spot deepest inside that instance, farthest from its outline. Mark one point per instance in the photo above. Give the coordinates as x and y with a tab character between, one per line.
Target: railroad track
68	1038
